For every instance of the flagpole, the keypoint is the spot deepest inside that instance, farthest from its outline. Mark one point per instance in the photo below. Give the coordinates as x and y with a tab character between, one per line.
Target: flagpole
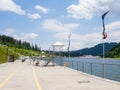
69	54
103	50
103	40
104	37
69	46
103	65
104	34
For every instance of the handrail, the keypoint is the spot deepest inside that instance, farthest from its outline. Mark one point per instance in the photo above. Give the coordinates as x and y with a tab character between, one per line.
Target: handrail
90	66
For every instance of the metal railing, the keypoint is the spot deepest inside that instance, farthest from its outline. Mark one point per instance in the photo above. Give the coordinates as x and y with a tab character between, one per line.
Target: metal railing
104	70
109	71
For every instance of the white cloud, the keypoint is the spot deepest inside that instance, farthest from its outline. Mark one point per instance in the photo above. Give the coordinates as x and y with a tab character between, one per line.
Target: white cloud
113	26
56	26
86	9
113	30
34	16
22	36
26	36
114	36
91	39
29	35
9	5
79	41
9	31
42	9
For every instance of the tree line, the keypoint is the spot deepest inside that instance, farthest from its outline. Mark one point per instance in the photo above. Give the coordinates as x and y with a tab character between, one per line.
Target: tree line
11	42
114	52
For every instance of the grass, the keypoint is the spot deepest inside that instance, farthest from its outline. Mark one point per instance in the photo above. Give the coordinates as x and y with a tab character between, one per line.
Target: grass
5	52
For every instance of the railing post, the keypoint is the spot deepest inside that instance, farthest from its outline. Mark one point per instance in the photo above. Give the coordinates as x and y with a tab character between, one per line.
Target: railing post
77	65
68	63
83	66
103	70
72	64
91	68
61	62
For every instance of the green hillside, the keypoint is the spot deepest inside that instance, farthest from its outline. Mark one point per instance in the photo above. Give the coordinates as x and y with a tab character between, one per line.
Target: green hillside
10	46
26	52
5	52
115	52
11	42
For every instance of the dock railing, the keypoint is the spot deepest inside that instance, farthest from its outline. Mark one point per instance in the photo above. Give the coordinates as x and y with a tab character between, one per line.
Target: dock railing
109	71
103	70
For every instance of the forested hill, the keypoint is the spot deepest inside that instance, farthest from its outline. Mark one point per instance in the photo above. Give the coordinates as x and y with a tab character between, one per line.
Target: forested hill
114	52
11	42
95	51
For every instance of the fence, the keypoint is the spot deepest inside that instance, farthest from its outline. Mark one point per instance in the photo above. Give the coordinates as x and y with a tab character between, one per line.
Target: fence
109	71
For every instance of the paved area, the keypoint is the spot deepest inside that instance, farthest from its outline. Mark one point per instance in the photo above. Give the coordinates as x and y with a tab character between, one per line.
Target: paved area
25	76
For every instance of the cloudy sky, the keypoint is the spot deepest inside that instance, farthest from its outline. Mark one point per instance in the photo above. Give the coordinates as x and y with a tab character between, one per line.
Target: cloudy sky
44	22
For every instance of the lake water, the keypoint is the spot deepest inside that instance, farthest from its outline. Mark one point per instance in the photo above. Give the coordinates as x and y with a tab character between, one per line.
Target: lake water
106	68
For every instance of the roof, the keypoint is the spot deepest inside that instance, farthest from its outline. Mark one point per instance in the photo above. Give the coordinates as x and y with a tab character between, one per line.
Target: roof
59	44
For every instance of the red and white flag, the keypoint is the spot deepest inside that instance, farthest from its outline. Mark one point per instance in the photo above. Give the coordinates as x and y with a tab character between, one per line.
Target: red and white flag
104	35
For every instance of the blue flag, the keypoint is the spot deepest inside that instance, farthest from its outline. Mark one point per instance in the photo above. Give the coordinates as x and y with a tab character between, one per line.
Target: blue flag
104	33
103	16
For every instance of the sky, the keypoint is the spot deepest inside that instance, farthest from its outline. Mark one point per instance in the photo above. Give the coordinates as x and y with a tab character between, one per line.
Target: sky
44	22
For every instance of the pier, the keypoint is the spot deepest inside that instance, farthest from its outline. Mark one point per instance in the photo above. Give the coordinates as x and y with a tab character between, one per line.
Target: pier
25	76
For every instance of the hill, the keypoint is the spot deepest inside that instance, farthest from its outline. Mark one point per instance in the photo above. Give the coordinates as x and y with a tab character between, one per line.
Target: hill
5	52
11	42
10	46
114	52
94	51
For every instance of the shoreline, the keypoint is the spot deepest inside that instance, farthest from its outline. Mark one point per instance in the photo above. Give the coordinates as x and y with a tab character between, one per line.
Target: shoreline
95	58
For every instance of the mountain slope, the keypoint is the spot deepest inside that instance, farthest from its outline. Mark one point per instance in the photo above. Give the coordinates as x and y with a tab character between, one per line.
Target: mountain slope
95	51
115	52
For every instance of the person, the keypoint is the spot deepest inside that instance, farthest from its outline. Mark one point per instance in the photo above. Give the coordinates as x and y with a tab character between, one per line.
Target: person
37	63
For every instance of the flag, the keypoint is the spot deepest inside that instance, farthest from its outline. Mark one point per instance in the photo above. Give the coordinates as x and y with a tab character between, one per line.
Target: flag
103	16
68	42
104	33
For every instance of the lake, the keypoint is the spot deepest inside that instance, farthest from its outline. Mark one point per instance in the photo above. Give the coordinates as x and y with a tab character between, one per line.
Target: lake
105	68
